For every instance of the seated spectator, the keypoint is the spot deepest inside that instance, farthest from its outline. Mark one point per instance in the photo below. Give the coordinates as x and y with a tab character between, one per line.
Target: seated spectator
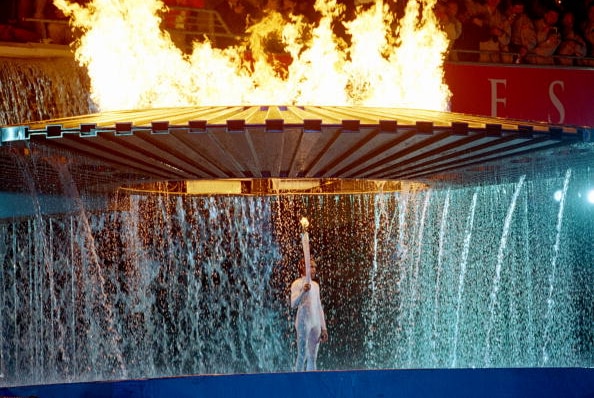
455	26
513	9
588	32
548	38
451	26
523	35
573	46
500	32
474	31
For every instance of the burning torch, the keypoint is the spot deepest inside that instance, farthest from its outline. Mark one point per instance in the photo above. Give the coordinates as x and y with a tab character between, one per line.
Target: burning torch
305	242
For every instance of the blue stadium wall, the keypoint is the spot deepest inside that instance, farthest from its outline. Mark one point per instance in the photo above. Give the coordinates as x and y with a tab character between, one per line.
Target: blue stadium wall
458	383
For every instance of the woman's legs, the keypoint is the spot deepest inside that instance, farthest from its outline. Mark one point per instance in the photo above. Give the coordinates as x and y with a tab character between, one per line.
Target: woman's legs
313	342
307	348
301	350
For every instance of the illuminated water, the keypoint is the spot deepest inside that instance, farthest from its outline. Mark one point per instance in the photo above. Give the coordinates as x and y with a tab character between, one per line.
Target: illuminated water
35	89
158	285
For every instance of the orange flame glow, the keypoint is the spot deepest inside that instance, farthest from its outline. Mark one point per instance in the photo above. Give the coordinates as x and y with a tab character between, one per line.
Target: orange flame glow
133	64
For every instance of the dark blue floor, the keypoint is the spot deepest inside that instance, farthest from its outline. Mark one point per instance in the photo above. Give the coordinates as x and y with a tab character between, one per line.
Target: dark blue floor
459	383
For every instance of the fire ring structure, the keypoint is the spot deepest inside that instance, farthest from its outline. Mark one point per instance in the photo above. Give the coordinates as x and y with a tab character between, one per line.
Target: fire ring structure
246	143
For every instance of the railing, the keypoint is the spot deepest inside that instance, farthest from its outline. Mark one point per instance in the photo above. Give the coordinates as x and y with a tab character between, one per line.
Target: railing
184	24
501	57
187	24
45	24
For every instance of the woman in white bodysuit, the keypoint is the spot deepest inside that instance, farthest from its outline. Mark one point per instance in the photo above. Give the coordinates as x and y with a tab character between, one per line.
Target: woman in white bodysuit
310	322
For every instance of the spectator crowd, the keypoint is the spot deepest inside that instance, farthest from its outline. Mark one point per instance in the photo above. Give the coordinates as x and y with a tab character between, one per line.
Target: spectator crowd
547	32
519	31
550	32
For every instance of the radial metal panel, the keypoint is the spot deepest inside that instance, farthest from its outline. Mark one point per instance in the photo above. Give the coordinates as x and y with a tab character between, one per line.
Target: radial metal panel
493	147
114	148
203	147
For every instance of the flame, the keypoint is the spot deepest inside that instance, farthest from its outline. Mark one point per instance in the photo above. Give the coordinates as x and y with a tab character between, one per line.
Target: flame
304	222
133	64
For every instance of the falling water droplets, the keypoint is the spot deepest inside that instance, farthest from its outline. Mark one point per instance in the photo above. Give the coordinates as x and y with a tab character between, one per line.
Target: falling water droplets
164	285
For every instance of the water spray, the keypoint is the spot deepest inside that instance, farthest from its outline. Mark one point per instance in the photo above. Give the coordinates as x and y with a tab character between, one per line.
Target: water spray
305	242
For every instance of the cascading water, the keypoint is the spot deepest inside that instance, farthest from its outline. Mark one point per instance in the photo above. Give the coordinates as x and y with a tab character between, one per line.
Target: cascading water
164	284
461	277
553	271
165	293
500	259
487	290
41	89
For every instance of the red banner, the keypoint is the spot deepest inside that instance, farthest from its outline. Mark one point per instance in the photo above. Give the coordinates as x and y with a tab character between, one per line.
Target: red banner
548	94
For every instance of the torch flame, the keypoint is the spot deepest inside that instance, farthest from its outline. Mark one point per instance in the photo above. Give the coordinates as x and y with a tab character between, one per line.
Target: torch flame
133	64
304	222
